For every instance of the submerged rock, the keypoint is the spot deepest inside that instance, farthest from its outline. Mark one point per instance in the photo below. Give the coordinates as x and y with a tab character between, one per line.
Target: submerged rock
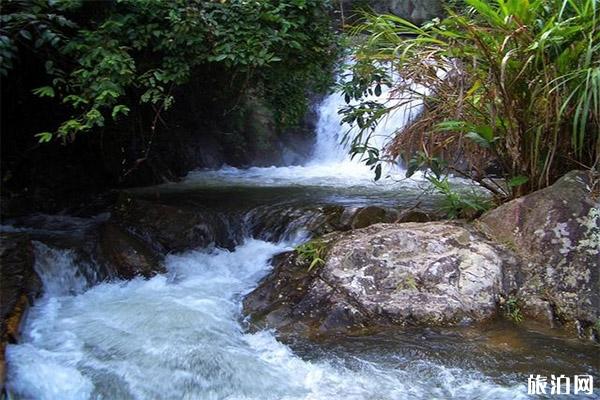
385	275
370	215
19	286
556	232
125	256
340	218
168	228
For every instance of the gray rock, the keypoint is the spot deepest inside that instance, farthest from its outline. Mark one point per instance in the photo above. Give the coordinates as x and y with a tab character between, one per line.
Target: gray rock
416	11
370	215
385	275
556	232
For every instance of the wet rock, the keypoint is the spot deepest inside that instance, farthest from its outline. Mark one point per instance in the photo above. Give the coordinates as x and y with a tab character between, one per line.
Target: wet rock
370	215
417	11
171	228
556	232
19	286
340	218
385	275
415	216
333	218
125	255
275	222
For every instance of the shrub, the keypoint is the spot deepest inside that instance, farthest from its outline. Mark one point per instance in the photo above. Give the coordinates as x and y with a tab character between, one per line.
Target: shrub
516	82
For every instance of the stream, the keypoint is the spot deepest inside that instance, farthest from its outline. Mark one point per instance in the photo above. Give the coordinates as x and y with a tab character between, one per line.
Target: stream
182	335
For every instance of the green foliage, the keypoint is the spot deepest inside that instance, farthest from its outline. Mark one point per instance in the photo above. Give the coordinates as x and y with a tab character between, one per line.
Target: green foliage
513	81
312	252
518	181
409	282
512	310
101	55
455	204
459	204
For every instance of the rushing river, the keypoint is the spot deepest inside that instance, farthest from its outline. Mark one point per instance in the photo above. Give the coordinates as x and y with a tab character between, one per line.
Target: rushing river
181	335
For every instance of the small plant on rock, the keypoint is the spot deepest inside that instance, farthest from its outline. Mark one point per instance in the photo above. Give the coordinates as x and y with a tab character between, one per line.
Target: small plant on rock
455	204
312	252
512	310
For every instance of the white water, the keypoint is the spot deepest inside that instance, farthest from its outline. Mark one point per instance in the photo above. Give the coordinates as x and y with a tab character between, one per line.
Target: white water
330	130
179	336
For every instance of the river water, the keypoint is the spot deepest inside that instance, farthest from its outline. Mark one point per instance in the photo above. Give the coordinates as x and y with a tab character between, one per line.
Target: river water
181	335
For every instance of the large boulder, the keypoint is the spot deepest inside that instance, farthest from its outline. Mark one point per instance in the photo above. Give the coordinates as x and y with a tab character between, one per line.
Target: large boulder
19	286
556	232
384	275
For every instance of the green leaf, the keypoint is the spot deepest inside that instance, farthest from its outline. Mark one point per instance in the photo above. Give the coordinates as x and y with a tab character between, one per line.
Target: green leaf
44	91
378	172
480	140
378	90
119	109
315	262
44	137
451	126
413	166
518	181
25	34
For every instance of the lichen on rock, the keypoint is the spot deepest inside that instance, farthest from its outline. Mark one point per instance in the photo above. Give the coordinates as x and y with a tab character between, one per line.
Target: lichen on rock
556	233
386	275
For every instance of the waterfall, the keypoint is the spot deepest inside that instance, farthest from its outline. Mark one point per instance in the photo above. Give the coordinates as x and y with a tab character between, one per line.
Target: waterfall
330	130
61	272
330	163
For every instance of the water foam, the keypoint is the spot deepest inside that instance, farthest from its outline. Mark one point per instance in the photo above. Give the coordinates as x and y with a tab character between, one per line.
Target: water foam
179	336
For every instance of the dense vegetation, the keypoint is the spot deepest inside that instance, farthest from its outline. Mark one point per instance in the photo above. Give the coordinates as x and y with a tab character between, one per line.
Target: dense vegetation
132	92
508	86
96	53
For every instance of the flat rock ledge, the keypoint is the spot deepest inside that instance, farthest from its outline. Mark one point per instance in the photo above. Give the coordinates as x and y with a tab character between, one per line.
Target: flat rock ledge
434	273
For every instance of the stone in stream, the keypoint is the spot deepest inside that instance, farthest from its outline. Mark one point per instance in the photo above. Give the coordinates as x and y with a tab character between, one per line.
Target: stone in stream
340	218
556	232
126	256
168	228
385	275
370	215
19	286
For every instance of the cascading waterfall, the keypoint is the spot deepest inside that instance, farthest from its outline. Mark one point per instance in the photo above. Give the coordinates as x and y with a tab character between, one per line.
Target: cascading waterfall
330	163
330	130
